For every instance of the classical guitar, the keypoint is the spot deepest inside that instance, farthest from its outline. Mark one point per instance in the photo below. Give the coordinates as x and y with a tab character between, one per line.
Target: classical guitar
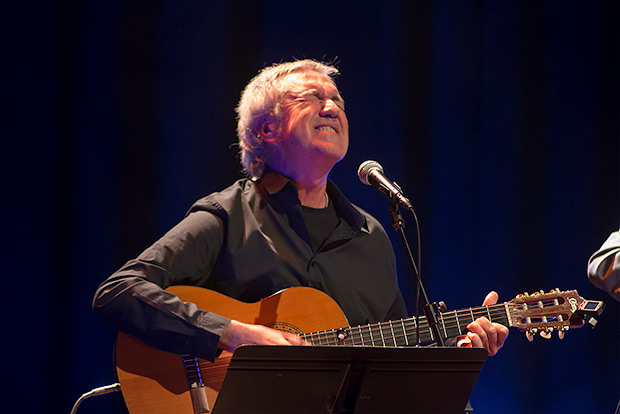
155	381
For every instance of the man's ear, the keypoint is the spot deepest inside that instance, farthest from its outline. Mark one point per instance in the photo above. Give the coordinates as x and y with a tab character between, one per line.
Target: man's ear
267	127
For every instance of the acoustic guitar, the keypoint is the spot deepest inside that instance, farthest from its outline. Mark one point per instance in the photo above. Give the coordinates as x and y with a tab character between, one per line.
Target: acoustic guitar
158	382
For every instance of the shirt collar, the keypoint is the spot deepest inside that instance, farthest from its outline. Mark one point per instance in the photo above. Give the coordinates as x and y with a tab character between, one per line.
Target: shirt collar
282	193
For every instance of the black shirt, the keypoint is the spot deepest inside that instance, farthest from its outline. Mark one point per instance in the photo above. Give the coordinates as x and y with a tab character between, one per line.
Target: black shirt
320	223
248	244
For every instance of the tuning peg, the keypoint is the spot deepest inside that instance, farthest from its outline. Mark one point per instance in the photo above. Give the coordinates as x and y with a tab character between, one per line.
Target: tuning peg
530	335
546	333
562	331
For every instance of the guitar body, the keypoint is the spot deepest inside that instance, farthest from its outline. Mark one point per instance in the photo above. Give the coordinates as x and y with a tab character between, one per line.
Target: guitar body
155	381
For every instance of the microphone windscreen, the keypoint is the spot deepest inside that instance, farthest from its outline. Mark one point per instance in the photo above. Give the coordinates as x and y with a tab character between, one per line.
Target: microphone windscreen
365	168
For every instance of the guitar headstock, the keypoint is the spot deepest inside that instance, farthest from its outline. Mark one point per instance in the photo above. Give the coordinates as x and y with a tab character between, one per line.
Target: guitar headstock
556	310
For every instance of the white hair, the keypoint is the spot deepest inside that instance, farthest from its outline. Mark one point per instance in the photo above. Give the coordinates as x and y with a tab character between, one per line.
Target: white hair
263	96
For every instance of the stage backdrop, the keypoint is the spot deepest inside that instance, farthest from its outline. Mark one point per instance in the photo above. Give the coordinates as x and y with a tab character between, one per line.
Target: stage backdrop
499	119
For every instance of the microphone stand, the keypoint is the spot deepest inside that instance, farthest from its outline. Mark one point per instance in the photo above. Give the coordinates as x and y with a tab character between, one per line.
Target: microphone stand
430	309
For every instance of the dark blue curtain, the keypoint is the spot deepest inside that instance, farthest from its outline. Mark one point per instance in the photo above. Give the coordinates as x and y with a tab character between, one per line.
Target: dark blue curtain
499	119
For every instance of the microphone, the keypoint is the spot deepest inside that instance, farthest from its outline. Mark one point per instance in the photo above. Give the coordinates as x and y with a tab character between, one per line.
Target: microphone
371	173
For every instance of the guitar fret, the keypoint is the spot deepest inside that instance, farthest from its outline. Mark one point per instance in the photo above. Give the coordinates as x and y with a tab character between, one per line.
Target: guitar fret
430	331
326	338
332	338
320	338
397	333
351	336
317	338
402	322
379	325
443	323
450	328
337	337
416	325
414	329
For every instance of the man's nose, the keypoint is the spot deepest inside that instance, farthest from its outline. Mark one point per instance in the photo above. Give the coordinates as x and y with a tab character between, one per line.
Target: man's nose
330	108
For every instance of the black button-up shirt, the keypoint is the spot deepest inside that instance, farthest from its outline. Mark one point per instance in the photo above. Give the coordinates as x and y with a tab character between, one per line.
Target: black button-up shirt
248	244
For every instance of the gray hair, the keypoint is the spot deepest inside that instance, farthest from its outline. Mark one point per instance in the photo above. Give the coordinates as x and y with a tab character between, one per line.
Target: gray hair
263	96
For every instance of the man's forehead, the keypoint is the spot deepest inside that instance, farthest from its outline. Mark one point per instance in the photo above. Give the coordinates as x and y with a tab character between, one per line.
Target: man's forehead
307	79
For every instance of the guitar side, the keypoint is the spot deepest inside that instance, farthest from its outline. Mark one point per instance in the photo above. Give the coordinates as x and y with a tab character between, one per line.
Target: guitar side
154	381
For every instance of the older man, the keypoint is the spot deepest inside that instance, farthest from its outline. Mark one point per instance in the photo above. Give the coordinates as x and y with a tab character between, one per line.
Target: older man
286	225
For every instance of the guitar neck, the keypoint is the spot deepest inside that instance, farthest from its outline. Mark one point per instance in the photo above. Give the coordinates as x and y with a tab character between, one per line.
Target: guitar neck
408	331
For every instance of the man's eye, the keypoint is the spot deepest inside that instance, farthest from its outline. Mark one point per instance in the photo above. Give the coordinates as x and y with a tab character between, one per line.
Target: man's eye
309	97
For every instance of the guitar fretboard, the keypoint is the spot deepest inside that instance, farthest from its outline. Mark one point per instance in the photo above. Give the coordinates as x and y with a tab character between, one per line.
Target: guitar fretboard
406	332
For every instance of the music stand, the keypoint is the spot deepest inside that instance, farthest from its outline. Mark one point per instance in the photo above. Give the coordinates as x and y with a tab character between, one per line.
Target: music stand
343	379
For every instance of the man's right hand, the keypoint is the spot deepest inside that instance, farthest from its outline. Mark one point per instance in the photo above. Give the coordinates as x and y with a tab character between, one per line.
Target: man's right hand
238	333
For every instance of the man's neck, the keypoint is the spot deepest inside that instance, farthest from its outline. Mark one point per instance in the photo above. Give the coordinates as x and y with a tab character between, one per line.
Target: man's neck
311	193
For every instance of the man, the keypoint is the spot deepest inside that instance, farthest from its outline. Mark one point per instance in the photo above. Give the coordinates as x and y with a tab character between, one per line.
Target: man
604	266
287	225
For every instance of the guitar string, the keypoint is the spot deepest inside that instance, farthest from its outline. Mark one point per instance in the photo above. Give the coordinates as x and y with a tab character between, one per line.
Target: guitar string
424	329
453	319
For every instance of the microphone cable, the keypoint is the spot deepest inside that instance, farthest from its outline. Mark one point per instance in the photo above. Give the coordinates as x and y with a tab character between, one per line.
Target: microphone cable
107	389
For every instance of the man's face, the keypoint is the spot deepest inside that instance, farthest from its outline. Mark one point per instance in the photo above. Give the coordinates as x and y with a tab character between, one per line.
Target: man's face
314	127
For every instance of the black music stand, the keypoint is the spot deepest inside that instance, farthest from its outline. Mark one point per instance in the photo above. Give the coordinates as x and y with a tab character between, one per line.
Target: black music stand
343	379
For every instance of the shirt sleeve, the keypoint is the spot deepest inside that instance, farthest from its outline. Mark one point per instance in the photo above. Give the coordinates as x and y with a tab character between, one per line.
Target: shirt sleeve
133	299
604	266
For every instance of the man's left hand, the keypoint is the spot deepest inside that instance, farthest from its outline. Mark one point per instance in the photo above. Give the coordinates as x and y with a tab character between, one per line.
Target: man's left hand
483	333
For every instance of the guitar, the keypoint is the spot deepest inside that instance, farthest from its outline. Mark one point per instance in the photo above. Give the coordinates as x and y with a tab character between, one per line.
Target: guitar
154	381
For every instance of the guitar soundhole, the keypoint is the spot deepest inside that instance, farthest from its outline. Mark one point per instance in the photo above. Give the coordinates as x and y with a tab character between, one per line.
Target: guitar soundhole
286	327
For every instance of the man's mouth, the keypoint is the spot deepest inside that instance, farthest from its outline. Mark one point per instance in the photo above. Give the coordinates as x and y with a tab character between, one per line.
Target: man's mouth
326	128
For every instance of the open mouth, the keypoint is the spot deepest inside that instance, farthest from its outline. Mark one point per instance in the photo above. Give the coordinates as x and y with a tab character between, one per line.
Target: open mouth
326	128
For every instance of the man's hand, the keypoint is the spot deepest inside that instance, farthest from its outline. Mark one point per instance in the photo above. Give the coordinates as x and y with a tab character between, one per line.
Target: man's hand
239	333
482	333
